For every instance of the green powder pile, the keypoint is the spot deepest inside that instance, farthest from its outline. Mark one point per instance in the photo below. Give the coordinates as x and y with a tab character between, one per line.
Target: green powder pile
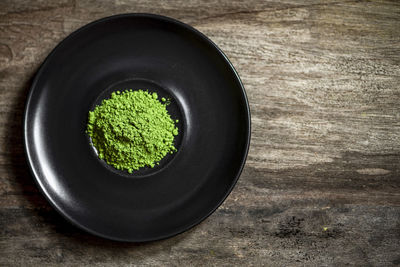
132	129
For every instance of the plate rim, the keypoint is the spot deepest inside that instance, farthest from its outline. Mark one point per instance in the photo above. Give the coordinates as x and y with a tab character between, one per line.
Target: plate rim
31	162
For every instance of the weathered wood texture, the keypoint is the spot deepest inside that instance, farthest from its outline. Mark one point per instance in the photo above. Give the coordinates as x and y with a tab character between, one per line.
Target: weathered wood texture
321	185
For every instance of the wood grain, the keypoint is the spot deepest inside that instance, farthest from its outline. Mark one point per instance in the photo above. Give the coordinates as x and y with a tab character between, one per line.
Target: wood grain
321	186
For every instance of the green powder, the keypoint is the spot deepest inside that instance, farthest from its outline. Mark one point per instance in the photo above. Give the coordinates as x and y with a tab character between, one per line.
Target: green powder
132	129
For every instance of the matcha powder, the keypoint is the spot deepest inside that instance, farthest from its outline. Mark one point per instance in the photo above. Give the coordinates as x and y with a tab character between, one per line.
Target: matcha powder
132	129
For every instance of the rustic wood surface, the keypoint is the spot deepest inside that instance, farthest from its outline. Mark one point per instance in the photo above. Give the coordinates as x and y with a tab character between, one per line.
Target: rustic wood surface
321	185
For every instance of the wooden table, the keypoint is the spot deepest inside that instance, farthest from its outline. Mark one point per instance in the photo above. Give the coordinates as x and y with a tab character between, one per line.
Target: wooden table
321	186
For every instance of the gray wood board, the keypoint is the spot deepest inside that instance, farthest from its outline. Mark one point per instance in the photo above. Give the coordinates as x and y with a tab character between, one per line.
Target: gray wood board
322	179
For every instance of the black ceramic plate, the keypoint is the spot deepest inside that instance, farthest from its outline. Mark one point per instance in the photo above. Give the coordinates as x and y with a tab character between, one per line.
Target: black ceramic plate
137	51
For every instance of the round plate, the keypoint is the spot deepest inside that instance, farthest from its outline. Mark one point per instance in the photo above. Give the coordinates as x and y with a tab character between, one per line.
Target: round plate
158	54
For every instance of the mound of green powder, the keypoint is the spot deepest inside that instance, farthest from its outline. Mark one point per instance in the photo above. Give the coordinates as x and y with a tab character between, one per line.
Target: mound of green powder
132	129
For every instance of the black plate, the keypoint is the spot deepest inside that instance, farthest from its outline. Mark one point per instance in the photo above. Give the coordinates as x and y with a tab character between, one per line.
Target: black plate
138	51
